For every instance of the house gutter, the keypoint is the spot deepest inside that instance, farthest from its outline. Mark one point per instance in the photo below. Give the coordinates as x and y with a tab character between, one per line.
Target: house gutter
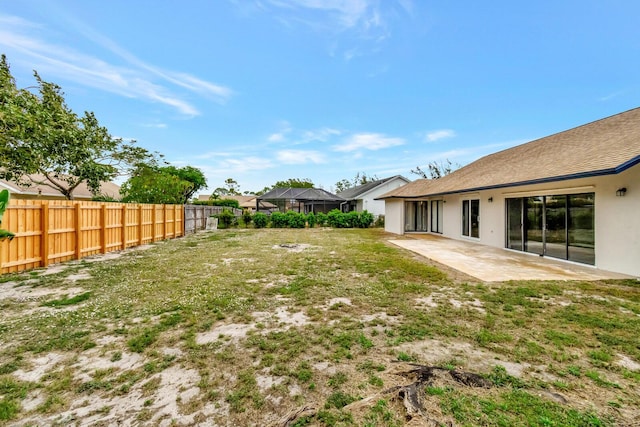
611	171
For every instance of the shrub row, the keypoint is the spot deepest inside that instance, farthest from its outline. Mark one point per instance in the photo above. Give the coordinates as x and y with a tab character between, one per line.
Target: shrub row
334	218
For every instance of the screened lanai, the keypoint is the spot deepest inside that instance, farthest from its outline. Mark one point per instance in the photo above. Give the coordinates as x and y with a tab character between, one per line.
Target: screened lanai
302	200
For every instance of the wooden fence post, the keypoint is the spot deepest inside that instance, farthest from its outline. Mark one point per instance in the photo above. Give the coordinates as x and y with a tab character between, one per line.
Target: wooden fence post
164	222
78	227
124	226
176	222
153	223
103	229
44	238
139	224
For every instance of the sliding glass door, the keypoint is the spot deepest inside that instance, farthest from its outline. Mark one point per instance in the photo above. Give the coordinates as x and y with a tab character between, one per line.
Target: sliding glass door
471	218
559	226
436	216
581	228
415	216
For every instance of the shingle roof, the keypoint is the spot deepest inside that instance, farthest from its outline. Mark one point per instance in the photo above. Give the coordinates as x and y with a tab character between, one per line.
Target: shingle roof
353	192
246	201
606	146
302	194
81	192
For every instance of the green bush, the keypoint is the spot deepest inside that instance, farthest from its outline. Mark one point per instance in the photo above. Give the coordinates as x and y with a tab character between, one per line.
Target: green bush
311	219
246	217
260	220
226	219
336	219
321	219
295	219
379	222
366	219
278	220
353	219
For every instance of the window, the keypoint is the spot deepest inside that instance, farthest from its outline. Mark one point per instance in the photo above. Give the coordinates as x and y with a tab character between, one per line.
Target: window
471	218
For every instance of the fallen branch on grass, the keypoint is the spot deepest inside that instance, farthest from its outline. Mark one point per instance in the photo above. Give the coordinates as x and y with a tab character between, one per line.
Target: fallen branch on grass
411	395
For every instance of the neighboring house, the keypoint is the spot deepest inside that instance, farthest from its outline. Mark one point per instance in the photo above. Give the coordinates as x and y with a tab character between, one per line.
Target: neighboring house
303	200
363	197
44	192
245	202
574	195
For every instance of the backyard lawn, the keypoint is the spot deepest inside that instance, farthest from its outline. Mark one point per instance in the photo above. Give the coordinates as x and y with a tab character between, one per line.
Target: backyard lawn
317	327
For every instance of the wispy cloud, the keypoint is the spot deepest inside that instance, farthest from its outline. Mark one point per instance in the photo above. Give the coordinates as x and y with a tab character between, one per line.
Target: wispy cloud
294	157
367	141
245	164
280	135
319	135
155	125
439	134
611	96
35	45
359	24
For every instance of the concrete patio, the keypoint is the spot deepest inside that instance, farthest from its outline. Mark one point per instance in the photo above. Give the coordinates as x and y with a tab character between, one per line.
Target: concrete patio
490	264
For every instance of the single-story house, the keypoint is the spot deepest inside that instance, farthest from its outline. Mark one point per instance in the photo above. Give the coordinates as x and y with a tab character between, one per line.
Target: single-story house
302	200
363	197
45	192
574	196
245	202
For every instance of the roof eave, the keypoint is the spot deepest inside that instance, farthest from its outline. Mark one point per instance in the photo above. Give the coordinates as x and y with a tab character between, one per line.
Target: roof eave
602	172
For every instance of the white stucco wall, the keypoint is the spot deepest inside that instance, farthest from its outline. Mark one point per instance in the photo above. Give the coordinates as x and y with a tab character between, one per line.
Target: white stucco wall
617	219
394	216
618	223
377	207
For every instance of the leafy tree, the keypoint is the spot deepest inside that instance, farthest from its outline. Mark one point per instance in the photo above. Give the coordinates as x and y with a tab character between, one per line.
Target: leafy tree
436	170
231	188
191	174
294	183
360	179
4	203
151	184
42	141
232	203
342	185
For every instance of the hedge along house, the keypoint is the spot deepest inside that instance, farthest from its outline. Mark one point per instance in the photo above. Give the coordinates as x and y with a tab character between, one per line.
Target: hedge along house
572	196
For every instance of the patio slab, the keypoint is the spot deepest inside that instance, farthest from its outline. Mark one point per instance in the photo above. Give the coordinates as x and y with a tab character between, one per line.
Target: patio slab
490	264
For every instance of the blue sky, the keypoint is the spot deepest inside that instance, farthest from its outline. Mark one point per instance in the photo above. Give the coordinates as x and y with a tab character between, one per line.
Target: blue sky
266	90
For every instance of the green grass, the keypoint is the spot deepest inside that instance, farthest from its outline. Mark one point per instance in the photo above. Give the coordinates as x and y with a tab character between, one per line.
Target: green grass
62	302
149	313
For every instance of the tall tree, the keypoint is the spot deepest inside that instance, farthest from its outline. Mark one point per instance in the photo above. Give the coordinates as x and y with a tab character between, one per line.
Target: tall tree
361	178
231	188
42	141
436	170
294	183
190	174
154	184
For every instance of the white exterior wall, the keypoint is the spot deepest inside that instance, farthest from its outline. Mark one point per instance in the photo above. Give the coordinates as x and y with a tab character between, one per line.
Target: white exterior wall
618	223
394	216
617	219
377	207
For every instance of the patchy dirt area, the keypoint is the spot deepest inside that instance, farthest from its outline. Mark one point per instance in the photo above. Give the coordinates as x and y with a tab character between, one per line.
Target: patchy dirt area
319	333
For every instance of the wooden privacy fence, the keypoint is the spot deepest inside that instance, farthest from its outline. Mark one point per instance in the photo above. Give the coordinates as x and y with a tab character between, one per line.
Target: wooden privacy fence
53	231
